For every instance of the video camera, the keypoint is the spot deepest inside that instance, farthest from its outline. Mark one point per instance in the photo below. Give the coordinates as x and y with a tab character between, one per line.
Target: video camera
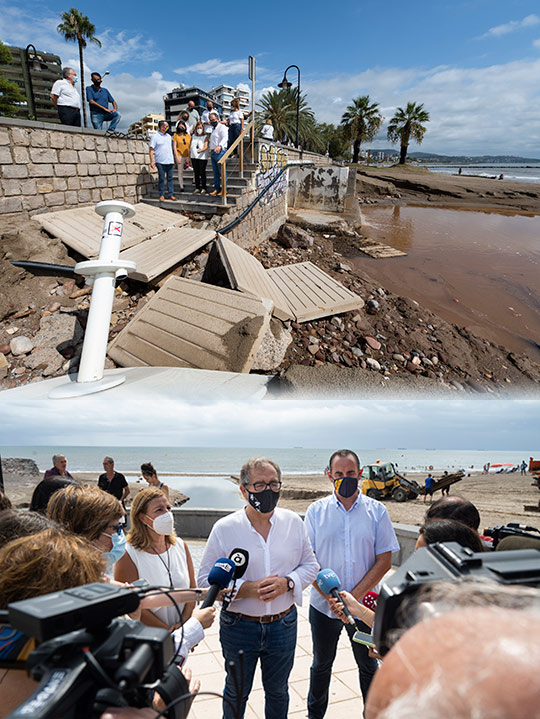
443	562
512	529
88	658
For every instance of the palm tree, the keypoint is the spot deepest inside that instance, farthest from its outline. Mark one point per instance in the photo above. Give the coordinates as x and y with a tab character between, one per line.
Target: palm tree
361	121
406	124
77	27
280	107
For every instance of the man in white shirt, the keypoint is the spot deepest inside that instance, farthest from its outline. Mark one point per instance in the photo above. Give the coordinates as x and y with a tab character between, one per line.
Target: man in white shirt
163	155
219	139
205	117
261	618
66	99
351	534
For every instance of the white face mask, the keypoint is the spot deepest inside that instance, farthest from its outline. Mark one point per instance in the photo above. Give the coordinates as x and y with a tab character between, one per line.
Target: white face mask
200	132
164	524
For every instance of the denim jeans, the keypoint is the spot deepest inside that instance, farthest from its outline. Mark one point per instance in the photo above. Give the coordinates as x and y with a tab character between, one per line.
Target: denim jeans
98	118
325	634
216	157
234	131
165	171
274	644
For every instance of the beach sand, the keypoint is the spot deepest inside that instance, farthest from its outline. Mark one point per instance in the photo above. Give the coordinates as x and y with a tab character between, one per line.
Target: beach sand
499	498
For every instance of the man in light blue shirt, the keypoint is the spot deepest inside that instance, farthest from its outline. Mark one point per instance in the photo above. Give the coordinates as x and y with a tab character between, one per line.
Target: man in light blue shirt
351	534
99	99
163	156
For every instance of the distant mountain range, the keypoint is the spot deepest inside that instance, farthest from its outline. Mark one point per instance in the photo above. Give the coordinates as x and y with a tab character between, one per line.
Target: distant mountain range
431	158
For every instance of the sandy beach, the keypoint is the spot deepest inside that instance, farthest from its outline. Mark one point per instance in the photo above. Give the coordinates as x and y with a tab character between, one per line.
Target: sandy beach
499	498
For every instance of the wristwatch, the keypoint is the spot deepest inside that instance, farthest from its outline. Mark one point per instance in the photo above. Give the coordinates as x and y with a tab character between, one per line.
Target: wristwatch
290	584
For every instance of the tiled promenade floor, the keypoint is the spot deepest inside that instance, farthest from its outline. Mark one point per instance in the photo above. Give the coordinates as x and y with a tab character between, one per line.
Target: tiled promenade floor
206	663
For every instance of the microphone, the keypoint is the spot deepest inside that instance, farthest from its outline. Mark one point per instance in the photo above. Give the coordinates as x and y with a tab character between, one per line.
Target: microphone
220	575
328	582
240	557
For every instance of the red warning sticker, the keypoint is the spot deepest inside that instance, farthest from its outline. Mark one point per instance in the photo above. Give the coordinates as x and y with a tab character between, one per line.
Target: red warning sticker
115	228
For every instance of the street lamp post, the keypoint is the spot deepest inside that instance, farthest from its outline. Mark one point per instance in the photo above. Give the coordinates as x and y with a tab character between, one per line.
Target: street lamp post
30	94
285	85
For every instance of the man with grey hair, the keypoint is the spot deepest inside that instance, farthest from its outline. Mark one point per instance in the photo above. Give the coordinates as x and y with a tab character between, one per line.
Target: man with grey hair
59	467
260	618
112	481
66	99
474	654
219	139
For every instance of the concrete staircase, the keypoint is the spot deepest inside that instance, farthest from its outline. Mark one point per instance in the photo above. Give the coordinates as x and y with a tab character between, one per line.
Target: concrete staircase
190	202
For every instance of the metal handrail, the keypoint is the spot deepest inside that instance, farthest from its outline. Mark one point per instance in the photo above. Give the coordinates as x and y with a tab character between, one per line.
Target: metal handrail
223	160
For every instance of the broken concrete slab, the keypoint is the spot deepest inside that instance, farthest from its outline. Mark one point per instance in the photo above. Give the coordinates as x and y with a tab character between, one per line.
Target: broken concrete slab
81	228
378	250
312	293
157	255
247	274
192	324
273	347
318	220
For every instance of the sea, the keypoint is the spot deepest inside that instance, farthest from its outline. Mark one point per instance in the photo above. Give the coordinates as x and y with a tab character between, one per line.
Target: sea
224	461
512	171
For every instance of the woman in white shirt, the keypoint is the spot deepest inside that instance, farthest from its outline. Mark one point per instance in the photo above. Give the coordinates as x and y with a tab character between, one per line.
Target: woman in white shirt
199	157
155	553
236	121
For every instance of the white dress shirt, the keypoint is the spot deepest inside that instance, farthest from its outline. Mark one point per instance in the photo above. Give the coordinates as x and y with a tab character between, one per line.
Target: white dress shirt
67	95
205	119
348	541
188	636
286	552
219	137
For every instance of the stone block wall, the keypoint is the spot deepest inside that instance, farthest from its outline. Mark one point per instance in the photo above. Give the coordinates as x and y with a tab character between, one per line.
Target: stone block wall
324	187
262	222
47	167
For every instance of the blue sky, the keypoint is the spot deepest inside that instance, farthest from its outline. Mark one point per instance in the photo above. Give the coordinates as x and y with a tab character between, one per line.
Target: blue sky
441	424
475	65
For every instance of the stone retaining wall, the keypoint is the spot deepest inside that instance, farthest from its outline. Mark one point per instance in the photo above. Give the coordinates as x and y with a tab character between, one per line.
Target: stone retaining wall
45	167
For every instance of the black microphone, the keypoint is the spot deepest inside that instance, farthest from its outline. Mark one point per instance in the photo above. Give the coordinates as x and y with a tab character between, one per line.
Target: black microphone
240	557
219	576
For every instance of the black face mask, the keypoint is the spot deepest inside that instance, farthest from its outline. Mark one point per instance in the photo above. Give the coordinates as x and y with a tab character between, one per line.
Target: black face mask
346	486
265	501
97	83
214	123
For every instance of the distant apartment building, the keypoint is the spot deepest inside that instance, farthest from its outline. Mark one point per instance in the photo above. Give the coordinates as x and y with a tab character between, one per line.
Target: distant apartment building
224	94
147	125
35	73
177	100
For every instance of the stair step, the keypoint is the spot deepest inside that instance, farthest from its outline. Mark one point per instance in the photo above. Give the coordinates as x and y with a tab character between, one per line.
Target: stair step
203	208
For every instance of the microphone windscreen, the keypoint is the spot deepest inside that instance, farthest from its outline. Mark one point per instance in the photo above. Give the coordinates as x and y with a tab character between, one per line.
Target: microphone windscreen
241	559
222	572
327	580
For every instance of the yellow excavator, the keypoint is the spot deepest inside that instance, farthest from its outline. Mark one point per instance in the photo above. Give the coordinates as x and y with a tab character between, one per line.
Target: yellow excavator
381	480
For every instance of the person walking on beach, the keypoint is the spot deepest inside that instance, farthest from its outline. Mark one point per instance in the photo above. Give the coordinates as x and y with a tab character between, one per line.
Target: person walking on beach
163	157
59	467
199	157
428	485
149	473
351	534
523	467
218	147
261	619
113	482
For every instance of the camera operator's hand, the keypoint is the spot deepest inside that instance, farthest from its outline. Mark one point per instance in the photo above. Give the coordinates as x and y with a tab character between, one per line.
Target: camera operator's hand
205	616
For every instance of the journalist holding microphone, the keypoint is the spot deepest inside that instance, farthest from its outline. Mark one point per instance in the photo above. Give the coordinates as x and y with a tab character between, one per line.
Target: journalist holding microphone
351	534
261	618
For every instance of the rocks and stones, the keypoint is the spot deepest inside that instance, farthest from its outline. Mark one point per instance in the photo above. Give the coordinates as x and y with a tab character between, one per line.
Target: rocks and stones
26	468
373	364
21	346
59	330
46	359
273	347
290	236
5	349
4	366
373	343
372	306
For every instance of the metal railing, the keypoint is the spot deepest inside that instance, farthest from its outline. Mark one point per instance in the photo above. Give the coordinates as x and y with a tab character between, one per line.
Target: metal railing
238	143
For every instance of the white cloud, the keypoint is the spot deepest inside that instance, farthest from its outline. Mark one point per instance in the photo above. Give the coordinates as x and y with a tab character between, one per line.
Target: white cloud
138	96
512	26
536	43
215	67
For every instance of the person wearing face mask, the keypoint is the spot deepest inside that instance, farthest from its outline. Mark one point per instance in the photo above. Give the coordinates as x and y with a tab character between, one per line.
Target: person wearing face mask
182	142
65	97
99	99
261	618
219	139
155	553
199	157
351	534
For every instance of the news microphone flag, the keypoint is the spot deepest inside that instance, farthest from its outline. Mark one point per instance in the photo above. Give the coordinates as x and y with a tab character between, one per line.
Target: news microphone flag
219	577
328	582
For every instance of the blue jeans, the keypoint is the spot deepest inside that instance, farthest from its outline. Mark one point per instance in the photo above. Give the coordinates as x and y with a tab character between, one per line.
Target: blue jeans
325	635
216	157
98	118
274	644
165	170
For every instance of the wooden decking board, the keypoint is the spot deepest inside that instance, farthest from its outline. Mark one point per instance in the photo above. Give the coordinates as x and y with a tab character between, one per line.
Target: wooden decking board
191	324
81	228
165	250
312	293
248	275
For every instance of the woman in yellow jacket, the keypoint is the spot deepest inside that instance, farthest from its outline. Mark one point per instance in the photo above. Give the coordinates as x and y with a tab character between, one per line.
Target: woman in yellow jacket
182	142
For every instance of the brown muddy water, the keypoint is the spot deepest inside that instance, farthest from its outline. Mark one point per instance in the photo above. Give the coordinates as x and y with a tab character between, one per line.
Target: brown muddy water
473	268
